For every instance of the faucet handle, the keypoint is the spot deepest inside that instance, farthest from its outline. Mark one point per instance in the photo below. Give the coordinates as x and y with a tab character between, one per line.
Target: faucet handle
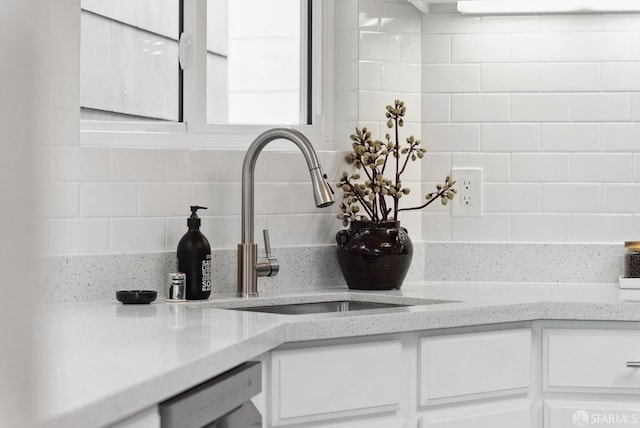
268	265
267	243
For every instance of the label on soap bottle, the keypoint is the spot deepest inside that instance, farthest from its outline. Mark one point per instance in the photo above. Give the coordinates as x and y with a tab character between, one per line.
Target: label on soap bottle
206	273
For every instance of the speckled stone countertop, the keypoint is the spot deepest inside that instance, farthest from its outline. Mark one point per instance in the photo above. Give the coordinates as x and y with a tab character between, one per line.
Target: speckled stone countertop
101	362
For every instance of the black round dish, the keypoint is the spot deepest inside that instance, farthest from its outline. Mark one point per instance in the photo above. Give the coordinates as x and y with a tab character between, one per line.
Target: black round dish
136	297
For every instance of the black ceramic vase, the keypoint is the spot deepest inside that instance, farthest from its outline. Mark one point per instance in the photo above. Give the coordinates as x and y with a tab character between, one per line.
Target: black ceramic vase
374	255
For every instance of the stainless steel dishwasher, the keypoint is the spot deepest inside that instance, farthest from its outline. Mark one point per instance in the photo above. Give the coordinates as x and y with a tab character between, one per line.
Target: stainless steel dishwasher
222	402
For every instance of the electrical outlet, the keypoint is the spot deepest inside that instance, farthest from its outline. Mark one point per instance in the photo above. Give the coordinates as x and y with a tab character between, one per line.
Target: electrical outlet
468	201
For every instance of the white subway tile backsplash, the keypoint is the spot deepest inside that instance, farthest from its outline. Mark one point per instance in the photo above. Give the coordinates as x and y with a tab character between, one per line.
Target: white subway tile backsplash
539	227
620	137
219	198
480	48
376	46
621	76
436	108
496	167
480	107
570	137
436	166
389	16
203	165
601	107
450	78
286	166
164	199
540	167
602	167
436	48
411	48
79	164
273	198
451	137
569	77
540	47
510	137
304	229
511	24
510	77
614	228
369	76
600	46
400	77
109	199
488	228
58	128
540	107
511	197
59	200
79	236
621	22
621	198
135	165
571	23
450	23
137	235
436	226
571	197
635	107
229	231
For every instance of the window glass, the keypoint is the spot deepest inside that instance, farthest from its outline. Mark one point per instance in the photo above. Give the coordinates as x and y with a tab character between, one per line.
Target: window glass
256	62
129	60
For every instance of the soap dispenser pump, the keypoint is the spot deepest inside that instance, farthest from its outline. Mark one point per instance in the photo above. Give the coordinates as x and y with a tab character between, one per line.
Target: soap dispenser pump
194	258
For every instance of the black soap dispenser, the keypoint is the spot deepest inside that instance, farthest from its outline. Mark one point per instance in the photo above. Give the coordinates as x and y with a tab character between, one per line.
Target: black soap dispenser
194	258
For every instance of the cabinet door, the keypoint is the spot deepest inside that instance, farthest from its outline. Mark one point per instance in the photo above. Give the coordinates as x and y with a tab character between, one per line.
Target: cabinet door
500	414
324	382
577	359
571	414
473	365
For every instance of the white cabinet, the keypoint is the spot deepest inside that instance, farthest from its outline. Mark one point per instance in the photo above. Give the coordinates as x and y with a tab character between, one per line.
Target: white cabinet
478	379
484	364
500	414
571	414
592	360
460	369
589	377
327	382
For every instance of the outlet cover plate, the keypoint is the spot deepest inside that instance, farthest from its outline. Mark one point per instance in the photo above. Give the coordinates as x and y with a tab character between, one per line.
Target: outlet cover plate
468	201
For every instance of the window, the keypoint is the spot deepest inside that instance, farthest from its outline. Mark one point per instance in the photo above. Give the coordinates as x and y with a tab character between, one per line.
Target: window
129	60
242	62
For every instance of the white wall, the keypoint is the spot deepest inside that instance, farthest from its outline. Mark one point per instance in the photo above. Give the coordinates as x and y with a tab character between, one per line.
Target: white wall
549	106
22	24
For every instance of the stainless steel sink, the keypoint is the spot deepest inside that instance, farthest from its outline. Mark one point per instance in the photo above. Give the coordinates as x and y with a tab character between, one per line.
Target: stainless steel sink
331	306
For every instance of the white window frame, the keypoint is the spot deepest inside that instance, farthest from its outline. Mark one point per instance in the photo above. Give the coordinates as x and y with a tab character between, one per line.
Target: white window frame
194	131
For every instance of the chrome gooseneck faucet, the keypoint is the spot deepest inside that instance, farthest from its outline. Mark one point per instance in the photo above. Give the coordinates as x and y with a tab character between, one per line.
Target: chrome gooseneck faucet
250	267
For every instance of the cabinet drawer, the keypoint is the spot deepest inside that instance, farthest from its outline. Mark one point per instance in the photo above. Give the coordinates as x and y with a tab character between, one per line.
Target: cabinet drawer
588	359
488	363
320	383
502	414
571	414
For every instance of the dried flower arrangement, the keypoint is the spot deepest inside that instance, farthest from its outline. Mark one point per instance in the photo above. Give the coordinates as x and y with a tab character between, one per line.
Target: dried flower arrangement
368	201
